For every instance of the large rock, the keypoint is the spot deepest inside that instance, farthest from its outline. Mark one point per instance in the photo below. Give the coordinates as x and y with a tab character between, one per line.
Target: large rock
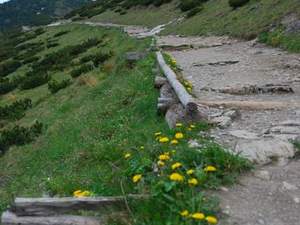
263	151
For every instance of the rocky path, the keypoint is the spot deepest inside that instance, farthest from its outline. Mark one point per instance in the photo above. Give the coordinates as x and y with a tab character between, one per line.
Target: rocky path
252	92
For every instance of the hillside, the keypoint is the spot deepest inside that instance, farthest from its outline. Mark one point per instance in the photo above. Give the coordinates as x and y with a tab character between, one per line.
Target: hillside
16	13
275	22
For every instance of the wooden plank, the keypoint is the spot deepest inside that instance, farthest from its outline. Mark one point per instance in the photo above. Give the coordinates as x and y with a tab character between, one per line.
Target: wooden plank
54	206
185	98
9	218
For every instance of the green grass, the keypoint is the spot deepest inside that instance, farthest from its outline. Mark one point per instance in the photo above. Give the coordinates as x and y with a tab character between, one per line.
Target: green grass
92	123
149	17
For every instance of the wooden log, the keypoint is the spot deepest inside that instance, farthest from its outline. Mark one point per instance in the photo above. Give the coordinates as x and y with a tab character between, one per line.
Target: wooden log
55	206
185	98
159	81
9	218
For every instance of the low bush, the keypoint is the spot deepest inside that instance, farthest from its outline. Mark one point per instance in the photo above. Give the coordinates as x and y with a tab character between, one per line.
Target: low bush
237	3
15	110
81	70
34	81
7	85
52	44
8	67
19	135
54	86
61	33
101	57
194	11
31	60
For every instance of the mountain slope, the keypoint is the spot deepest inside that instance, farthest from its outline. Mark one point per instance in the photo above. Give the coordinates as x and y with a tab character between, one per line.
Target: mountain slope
34	12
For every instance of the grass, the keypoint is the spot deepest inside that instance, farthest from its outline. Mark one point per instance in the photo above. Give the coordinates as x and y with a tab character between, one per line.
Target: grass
149	17
90	126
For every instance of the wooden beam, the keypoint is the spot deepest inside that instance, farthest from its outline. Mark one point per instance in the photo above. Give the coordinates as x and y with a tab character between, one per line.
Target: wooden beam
185	98
55	206
9	218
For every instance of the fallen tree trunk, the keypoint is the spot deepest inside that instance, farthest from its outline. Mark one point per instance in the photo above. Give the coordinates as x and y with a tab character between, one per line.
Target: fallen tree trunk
55	206
185	98
9	218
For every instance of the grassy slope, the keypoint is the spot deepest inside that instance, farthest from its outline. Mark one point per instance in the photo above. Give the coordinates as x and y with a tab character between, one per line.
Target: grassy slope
149	17
84	123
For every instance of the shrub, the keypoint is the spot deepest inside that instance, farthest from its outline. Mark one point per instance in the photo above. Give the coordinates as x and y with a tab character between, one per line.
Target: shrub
31	60
237	3
8	67
194	11
15	110
52	44
61	33
30	82
54	86
7	86
81	70
101	57
19	135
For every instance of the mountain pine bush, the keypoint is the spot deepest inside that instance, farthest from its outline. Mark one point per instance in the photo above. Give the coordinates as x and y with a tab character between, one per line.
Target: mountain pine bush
237	3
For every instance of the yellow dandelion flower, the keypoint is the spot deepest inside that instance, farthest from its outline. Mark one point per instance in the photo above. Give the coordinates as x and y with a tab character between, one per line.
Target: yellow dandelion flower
192	126
160	163
211	220
176	165
77	193
179	124
179	135
198	216
127	155
184	213
174	142
157	134
136	178
190	172
193	182
163	139
189	89
176	177
86	194
164	157
210	169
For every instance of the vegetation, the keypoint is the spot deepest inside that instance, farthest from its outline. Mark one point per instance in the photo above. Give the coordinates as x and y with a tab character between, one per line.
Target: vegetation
54	86
237	3
85	68
15	110
9	67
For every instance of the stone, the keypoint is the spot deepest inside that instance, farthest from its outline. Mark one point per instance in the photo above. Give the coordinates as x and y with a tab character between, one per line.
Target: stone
264	150
222	121
243	134
285	130
289	187
262	174
289	123
193	144
296	200
233	114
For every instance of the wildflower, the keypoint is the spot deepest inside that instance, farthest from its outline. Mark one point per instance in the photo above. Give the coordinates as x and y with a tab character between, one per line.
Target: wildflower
210	169
164	157
189	89
80	193
198	216
184	213
179	124
211	220
176	177
127	155
179	135
157	134
190	172
193	182
189	129
160	163
176	165
173	151
163	140
192	126
136	178
142	147
174	142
